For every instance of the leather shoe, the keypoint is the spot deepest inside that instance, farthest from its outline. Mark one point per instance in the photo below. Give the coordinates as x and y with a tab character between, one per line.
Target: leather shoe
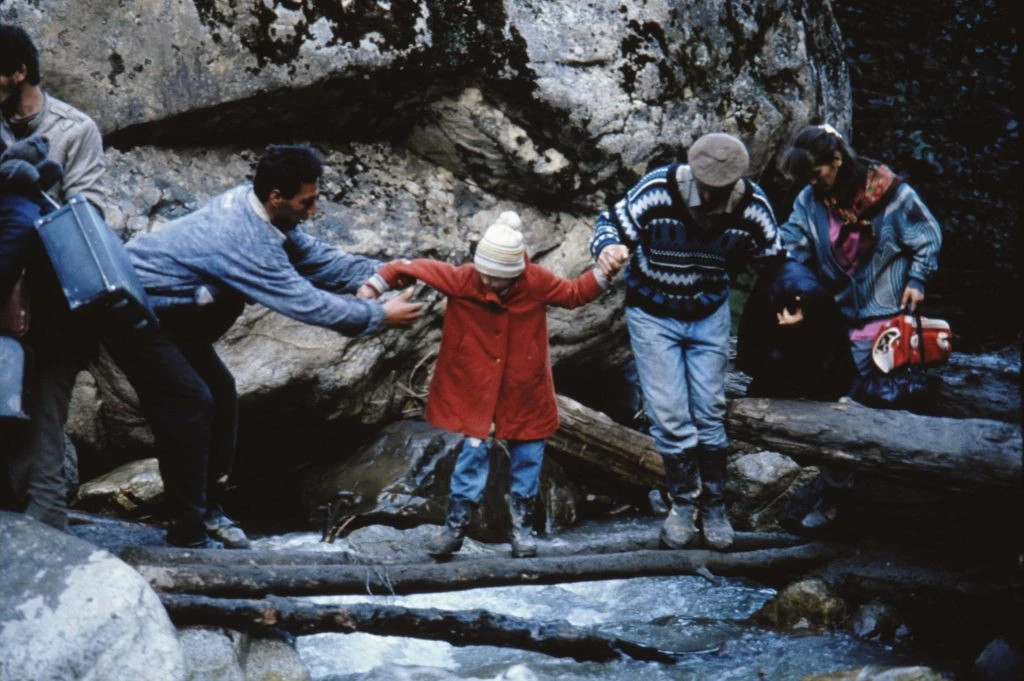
227	532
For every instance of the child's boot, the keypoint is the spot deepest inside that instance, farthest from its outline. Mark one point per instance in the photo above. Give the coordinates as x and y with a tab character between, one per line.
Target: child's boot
449	540
521	537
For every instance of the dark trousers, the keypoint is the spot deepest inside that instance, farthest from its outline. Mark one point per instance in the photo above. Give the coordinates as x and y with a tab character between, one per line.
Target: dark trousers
189	399
32	452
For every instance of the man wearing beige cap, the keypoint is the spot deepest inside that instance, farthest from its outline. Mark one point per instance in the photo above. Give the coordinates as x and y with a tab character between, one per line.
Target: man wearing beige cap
683	228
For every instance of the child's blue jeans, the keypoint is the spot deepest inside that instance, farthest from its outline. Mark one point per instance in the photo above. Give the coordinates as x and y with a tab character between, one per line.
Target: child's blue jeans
469	478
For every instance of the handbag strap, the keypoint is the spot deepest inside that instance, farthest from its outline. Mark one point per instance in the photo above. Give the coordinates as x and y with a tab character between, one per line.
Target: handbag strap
919	325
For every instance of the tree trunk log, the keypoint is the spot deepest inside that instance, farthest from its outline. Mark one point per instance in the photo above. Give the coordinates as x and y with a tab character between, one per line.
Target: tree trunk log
622	542
592	437
977	386
460	628
240	581
953	454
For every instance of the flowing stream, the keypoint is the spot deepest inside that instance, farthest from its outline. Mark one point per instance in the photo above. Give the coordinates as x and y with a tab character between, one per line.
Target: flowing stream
705	618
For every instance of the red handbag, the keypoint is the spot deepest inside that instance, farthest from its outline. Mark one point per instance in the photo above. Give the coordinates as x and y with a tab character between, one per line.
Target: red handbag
911	339
14	310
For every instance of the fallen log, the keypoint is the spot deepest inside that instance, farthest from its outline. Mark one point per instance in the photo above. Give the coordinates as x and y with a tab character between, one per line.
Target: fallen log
977	386
593	438
623	541
242	581
953	454
968	386
460	628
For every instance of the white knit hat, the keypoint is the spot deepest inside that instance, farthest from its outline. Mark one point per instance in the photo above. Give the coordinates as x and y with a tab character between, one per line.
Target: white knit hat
500	252
718	159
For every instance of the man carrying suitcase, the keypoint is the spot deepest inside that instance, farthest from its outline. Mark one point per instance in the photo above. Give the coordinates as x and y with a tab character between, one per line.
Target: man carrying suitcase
199	271
36	126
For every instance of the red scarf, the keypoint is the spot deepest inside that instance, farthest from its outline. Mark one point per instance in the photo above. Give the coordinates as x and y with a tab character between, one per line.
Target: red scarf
853	221
878	182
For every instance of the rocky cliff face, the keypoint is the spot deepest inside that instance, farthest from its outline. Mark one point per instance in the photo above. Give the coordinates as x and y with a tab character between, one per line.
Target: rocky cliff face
433	116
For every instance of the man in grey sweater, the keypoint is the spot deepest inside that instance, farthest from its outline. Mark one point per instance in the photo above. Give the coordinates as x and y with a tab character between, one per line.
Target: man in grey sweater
199	272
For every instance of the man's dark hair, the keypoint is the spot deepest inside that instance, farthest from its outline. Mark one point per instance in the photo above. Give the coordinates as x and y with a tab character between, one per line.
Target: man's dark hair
17	49
286	167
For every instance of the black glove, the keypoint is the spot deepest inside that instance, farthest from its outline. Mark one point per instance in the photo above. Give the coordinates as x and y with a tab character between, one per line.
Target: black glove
25	170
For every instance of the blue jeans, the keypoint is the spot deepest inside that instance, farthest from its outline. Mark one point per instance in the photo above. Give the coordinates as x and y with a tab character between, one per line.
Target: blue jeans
682	367
470	474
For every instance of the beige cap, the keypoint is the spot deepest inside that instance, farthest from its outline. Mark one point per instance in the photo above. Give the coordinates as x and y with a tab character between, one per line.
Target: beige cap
718	159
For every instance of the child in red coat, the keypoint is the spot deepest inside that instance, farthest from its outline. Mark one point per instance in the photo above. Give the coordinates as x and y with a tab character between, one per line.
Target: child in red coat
493	367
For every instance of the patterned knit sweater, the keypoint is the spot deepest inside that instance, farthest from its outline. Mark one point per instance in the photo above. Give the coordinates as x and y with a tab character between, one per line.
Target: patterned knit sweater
679	266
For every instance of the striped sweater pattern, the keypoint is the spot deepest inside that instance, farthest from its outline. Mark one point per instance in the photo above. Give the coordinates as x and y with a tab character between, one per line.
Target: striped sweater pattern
678	268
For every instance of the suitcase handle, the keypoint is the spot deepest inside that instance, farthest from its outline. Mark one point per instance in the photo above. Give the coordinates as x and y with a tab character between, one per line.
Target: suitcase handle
53	202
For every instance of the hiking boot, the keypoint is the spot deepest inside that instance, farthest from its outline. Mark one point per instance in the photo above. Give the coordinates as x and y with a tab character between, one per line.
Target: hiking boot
682	481
521	535
715	526
226	531
680	526
442	545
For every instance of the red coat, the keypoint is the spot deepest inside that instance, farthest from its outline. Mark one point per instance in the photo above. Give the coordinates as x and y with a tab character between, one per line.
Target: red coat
494	364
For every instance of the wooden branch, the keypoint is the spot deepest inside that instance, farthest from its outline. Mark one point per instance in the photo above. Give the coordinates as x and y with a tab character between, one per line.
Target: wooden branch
953	454
593	438
237	581
621	542
460	628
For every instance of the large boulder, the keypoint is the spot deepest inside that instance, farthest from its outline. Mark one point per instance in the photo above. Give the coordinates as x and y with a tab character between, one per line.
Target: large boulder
69	610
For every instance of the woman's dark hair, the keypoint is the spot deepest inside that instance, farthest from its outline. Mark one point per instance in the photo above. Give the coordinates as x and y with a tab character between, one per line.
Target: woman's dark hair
286	167
816	145
17	49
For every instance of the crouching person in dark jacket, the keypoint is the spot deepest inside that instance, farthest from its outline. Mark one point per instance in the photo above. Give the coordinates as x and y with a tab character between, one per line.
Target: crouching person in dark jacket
810	360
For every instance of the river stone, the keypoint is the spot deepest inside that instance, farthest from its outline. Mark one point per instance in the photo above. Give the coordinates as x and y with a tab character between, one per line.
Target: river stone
878	622
71	611
269	659
769	492
807	604
129	490
219	654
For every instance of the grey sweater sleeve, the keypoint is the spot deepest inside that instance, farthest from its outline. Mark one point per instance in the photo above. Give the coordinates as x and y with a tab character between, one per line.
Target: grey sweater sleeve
326	266
272	281
227	246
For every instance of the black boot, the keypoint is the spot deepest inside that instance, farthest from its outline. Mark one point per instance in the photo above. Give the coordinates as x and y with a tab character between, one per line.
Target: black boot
521	511
718	533
681	476
449	540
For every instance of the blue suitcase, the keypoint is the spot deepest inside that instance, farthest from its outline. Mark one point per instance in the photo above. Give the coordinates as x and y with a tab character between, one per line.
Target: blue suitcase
93	268
14	368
